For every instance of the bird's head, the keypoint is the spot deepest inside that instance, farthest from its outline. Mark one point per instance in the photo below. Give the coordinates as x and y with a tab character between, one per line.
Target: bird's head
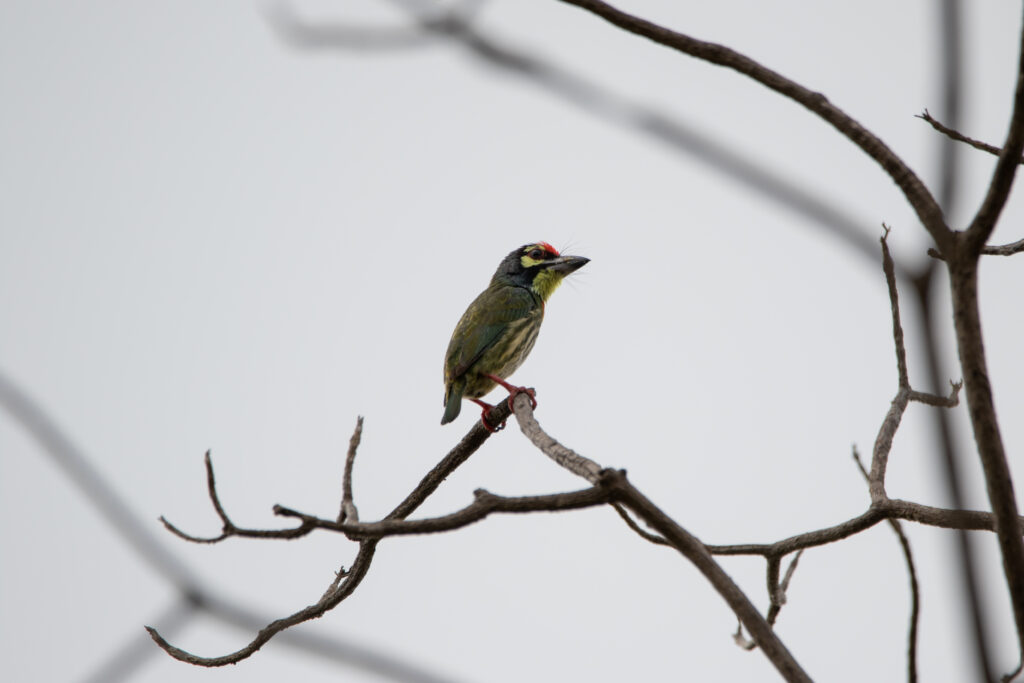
538	267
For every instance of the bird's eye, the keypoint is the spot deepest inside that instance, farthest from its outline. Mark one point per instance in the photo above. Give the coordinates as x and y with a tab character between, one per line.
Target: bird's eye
536	255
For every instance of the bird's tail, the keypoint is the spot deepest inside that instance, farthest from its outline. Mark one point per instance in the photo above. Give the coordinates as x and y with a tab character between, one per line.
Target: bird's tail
453	404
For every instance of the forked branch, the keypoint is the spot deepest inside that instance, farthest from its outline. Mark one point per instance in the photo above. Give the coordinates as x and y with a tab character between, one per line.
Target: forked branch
608	486
915	191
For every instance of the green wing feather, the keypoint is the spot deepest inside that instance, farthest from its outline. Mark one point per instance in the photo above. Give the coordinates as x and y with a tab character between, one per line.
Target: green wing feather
480	327
483	324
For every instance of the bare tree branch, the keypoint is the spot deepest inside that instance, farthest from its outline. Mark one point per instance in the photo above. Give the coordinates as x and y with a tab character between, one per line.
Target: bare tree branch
981	408
890	508
484	504
77	466
228	528
631	523
102	495
668	130
348	512
353	577
951	401
721	55
564	457
960	137
962	263
784	586
610	486
948	455
1005	249
999	190
777	597
883	442
914	190
997	250
888	269
125	662
696	552
351	581
915	593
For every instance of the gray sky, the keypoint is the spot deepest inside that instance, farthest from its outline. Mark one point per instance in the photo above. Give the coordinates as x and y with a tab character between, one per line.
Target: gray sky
209	239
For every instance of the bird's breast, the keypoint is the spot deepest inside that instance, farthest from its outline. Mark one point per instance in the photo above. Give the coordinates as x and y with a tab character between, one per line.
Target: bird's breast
505	356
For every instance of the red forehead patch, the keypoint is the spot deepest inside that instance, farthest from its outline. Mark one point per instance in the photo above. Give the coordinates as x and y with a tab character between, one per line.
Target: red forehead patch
548	247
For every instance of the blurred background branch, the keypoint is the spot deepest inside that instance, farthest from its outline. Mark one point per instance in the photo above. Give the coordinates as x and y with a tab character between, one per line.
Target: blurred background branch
195	597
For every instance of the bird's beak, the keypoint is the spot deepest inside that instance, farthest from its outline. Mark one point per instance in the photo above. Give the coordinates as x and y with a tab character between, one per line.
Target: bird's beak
564	265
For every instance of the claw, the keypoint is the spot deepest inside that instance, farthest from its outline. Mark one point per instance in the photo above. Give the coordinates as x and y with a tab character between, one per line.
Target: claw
513	390
487	408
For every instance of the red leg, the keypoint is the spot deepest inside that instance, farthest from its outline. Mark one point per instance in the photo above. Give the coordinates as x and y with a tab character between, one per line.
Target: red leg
513	390
487	408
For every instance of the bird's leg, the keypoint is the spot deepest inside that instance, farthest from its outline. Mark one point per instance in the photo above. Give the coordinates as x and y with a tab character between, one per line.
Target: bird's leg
513	390
487	408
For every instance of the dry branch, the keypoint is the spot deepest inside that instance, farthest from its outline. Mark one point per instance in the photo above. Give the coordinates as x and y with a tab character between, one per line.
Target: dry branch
669	131
962	262
962	251
348	511
915	592
350	580
917	194
611	486
960	137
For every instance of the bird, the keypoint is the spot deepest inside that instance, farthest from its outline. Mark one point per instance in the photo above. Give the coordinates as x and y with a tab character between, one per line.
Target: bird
498	330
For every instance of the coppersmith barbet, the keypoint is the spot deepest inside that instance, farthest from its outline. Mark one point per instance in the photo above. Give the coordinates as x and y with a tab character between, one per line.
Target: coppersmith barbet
499	328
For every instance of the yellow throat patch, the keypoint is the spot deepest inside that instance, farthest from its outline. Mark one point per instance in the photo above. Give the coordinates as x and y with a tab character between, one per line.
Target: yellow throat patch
545	283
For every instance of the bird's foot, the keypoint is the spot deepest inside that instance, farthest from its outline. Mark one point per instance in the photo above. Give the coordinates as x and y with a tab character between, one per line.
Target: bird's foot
514	391
487	408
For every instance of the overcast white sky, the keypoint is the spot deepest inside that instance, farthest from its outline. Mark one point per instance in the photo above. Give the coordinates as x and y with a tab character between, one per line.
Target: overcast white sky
210	239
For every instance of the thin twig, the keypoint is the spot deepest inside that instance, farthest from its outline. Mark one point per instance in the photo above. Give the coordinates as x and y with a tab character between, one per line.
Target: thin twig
470	443
124	663
915	601
137	536
886	433
915	592
1005	249
951	401
890	508
351	581
997	250
229	528
960	137
696	552
741	640
631	523
784	586
894	305
348	512
484	503
772	579
777	589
